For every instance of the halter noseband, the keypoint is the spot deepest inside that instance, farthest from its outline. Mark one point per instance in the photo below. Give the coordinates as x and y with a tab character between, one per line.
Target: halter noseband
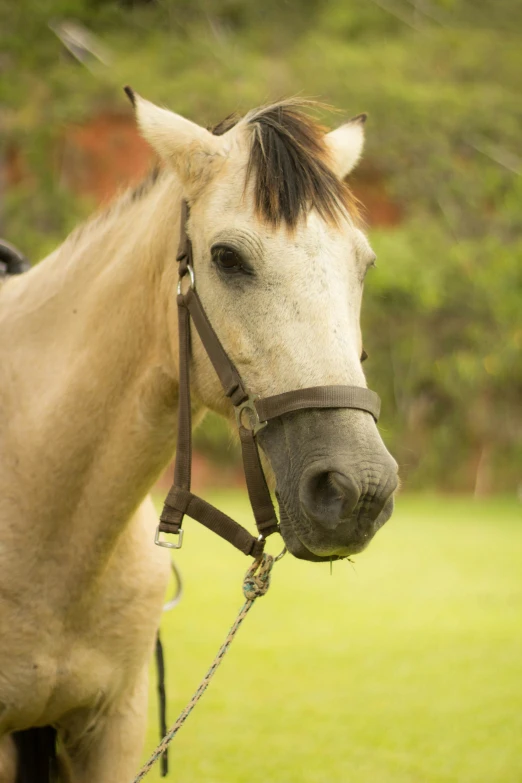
252	415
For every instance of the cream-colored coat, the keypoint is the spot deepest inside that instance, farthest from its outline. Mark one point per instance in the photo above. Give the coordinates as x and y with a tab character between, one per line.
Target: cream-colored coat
88	393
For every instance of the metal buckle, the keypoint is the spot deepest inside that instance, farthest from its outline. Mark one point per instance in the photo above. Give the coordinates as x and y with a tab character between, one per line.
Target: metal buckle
253	417
167	544
192	279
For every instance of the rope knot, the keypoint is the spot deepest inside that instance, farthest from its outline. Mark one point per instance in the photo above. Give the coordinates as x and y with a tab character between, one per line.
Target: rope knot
257	578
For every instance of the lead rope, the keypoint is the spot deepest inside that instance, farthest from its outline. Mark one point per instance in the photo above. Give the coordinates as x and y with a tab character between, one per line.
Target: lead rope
255	584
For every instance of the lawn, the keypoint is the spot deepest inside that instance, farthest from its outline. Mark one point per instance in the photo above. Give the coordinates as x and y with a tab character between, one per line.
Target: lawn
403	667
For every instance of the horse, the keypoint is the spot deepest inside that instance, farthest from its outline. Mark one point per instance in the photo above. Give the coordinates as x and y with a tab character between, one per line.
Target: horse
89	397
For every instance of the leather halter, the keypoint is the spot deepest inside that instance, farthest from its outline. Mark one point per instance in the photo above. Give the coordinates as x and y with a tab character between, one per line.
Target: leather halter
252	415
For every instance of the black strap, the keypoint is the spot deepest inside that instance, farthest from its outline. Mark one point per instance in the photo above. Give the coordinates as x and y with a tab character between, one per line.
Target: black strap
225	369
319	397
181	500
258	492
162	703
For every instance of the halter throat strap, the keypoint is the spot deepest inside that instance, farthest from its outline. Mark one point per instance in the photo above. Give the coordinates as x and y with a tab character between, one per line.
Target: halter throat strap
252	415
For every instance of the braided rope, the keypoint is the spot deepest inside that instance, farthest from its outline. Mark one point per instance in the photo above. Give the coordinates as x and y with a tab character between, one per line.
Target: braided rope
255	584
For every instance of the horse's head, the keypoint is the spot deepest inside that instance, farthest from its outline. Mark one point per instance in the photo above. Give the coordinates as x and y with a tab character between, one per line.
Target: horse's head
280	265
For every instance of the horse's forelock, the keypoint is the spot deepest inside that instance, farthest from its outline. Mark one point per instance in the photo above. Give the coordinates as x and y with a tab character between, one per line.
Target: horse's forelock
289	160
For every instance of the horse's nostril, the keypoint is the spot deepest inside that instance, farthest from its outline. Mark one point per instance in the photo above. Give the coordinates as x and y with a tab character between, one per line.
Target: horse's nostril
329	497
348	491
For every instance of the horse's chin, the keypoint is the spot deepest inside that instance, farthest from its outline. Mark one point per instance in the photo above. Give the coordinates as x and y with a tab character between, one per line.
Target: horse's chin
298	549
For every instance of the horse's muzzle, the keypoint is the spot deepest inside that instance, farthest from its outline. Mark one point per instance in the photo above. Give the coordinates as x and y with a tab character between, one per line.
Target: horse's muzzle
335	481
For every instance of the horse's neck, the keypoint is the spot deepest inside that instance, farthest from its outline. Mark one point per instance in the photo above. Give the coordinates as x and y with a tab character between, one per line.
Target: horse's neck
88	391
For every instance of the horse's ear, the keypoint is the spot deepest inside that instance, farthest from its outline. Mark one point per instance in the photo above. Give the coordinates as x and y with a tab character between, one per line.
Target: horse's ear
192	150
346	145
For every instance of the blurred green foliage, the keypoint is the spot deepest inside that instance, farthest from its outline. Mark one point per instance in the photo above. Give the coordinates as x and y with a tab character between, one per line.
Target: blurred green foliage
441	81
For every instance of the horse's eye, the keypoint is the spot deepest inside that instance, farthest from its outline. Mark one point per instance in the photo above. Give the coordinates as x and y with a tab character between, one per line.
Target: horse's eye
364	356
227	259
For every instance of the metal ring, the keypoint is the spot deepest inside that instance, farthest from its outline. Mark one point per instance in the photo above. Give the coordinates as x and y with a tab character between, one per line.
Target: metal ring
254	422
280	555
192	279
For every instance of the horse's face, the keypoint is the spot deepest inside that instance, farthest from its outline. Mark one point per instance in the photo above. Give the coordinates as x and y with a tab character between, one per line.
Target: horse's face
285	303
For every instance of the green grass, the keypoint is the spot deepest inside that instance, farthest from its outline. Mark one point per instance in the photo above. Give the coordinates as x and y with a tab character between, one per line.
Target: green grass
405	667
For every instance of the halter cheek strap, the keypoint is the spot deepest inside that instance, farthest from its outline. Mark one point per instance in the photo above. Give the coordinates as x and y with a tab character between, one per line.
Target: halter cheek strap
252	415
